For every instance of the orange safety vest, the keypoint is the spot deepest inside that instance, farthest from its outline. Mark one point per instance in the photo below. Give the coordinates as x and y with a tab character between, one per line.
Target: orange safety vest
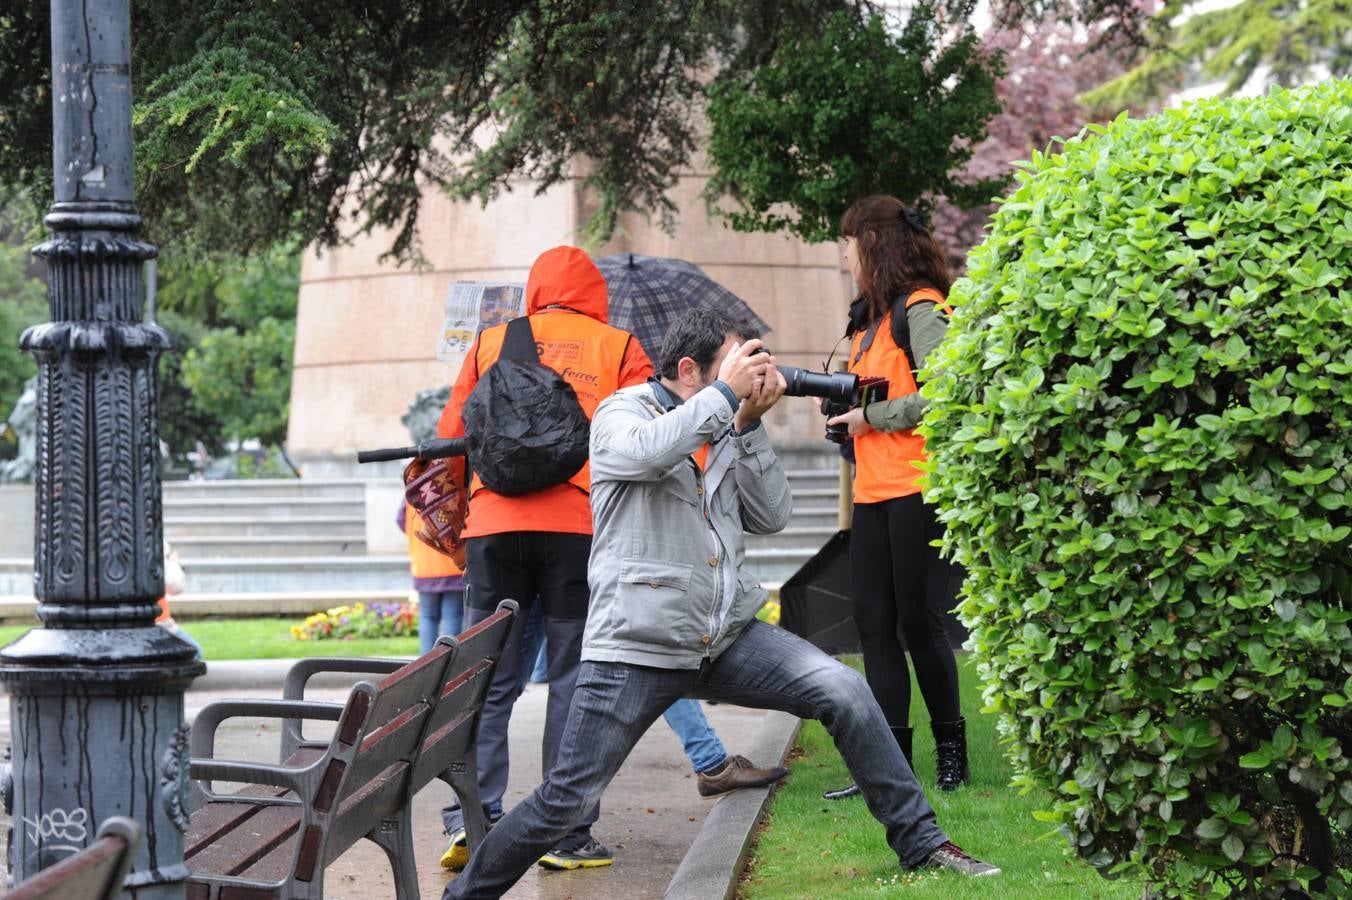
885	460
424	562
568	308
587	353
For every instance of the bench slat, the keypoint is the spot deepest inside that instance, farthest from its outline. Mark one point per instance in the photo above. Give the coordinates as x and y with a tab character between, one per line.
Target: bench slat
396	742
255	837
86	874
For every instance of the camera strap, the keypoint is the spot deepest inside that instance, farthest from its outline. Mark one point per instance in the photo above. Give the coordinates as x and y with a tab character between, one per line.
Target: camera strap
867	340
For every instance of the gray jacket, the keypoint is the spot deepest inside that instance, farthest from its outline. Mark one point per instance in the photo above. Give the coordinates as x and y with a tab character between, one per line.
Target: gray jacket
667	584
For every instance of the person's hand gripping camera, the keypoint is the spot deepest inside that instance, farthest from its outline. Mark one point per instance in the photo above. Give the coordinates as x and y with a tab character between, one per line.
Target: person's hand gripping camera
749	370
853	421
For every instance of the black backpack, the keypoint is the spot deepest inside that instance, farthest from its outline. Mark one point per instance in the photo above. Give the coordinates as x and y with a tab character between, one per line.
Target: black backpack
524	428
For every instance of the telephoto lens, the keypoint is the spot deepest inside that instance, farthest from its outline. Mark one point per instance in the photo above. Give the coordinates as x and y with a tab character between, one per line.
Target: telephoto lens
840	387
839	391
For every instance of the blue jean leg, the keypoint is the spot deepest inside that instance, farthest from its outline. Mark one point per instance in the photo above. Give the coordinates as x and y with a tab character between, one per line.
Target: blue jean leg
438	614
613	705
540	674
769	668
532	641
766	668
698	738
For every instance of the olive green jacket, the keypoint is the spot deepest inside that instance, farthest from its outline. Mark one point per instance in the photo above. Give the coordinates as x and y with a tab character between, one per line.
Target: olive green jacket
928	324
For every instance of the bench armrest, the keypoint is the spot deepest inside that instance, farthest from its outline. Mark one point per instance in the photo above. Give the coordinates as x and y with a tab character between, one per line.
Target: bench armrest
210	770
212	715
301	673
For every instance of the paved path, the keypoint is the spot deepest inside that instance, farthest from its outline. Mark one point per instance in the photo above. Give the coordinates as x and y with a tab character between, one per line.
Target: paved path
649	814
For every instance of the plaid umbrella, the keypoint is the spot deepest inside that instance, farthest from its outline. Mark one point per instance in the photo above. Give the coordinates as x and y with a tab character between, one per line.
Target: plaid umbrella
648	293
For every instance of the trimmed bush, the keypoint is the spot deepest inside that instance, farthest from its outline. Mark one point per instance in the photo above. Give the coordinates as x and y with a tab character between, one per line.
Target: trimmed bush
1139	435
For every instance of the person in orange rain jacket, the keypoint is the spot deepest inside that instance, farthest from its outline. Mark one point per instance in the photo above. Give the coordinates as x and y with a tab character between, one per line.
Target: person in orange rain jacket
438	581
537	545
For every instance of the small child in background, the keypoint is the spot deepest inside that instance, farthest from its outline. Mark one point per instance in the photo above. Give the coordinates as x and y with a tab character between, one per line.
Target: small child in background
438	581
175	581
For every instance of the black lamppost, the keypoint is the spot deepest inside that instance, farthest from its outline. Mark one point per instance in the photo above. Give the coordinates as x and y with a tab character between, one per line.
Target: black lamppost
96	695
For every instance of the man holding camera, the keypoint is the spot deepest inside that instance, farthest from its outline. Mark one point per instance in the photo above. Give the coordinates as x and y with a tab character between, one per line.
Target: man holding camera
681	467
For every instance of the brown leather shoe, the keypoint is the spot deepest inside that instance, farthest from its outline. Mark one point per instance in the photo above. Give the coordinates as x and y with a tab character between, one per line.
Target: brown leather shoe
735	773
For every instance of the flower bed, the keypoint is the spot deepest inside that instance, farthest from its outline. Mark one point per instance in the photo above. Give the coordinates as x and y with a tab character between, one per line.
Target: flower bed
360	620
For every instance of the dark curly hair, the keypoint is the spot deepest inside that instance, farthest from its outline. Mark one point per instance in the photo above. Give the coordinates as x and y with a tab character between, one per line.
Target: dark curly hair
896	252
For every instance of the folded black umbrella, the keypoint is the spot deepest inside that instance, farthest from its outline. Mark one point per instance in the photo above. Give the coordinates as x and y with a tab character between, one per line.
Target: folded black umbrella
647	293
815	603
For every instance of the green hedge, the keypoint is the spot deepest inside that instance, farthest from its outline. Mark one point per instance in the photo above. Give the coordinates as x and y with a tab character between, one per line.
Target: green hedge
1139	438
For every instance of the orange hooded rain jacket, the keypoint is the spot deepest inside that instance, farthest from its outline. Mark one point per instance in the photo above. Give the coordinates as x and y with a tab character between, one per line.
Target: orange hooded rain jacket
566	302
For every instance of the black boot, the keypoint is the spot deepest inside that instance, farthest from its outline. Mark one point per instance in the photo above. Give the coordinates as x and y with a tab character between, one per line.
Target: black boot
903	737
950	746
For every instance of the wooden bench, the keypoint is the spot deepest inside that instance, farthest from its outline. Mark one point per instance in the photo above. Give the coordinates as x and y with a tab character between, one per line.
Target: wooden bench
95	873
274	837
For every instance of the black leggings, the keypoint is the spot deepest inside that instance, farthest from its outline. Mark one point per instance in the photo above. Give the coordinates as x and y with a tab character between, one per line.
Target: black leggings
902	589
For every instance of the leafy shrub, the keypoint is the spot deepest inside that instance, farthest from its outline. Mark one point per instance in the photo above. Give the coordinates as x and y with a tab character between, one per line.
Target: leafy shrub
1139	443
361	620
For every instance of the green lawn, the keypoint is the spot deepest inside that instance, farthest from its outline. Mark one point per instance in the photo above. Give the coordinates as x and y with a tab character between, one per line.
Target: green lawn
265	639
814	848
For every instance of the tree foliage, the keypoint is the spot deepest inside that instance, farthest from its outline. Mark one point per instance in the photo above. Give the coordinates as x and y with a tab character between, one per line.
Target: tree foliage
236	371
23	302
1046	69
183	424
849	112
1286	41
258	121
1138	435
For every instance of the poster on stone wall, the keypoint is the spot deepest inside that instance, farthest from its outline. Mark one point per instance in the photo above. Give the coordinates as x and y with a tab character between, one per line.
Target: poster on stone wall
472	306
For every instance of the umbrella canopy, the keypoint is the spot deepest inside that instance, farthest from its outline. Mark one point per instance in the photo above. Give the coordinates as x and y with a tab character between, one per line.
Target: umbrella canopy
647	293
815	603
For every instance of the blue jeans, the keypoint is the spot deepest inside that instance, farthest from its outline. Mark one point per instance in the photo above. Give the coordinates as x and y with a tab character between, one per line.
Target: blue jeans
698	739
439	614
767	668
540	674
533	644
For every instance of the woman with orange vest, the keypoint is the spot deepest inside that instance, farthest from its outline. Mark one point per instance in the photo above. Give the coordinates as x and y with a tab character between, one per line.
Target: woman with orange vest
438	581
902	588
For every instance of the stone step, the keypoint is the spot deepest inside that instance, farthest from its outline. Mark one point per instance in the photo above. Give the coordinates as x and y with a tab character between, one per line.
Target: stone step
777	565
281	586
815	495
815	513
16	577
293	574
179	527
236	605
249	546
264	507
792	537
823	474
289	488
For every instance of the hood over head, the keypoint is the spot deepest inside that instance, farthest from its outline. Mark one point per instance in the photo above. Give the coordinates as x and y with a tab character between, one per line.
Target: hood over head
566	276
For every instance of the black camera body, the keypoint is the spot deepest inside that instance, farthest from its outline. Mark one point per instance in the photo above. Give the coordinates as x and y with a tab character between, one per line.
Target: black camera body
840	392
